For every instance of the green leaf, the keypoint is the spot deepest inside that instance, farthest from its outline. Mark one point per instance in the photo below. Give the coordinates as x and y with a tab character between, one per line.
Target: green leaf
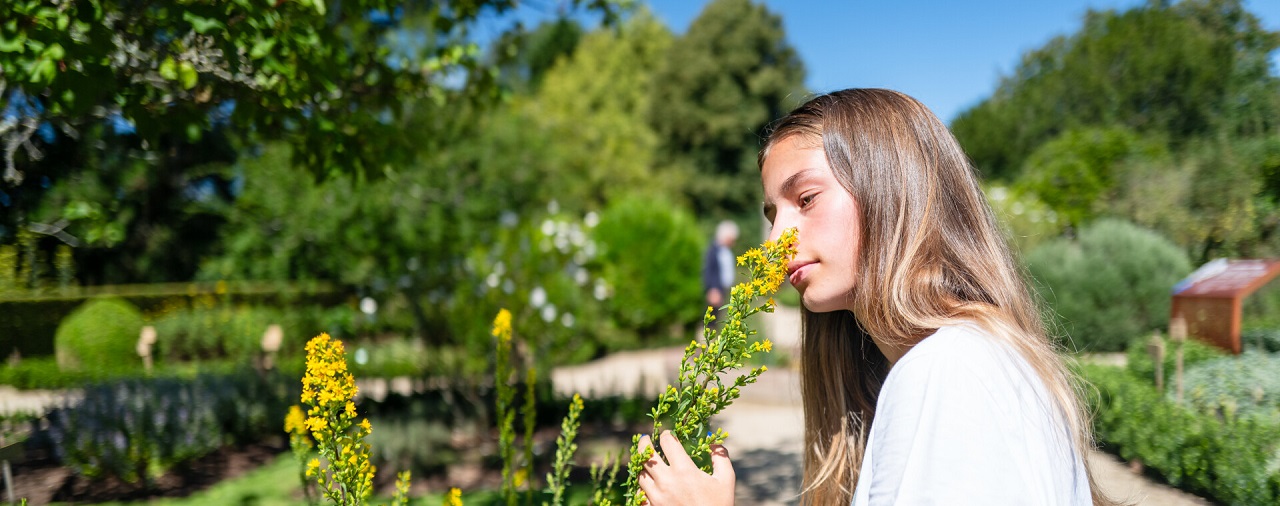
187	74
55	52
16	45
169	69
202	24
261	48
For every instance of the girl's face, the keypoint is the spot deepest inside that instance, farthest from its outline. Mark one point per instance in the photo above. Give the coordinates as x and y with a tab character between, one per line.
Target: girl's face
800	191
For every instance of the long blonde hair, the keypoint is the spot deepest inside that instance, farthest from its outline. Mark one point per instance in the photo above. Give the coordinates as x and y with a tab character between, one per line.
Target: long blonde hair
931	254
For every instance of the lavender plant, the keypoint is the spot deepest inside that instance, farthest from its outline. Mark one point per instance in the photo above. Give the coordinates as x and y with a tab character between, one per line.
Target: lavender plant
700	391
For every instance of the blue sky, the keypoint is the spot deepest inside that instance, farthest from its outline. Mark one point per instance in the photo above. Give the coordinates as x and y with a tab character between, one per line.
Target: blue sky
947	54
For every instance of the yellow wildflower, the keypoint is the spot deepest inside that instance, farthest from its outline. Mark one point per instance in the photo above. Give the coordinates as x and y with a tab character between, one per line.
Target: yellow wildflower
454	498
502	325
313	467
364	424
295	422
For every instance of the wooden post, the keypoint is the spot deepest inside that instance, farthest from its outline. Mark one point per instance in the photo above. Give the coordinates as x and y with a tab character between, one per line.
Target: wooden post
145	340
271	341
1178	333
1155	348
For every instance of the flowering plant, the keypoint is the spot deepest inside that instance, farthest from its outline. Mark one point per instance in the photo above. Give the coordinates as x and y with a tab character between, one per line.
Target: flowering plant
329	390
700	391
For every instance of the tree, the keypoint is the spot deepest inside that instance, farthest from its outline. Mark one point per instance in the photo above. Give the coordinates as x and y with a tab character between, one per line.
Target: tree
593	106
151	87
1182	71
720	84
1076	173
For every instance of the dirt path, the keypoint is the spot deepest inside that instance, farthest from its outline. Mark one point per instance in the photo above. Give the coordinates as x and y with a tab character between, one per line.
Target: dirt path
766	429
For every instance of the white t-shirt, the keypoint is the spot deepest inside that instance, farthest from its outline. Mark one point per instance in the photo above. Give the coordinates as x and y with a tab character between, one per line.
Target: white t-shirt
964	419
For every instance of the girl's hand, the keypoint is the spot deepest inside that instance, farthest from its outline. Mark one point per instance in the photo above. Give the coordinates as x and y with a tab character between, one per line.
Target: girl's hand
681	482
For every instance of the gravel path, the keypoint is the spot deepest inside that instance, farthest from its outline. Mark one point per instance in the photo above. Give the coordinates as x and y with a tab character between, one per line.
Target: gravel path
766	425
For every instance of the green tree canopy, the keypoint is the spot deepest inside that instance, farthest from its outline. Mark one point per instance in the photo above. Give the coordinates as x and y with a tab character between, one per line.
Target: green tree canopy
1182	71
719	85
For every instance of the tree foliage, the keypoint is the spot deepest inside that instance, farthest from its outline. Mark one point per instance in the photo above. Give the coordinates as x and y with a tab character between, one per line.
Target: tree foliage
1183	71
720	84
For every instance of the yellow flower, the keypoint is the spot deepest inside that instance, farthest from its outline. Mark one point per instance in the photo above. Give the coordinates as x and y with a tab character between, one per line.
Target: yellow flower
350	409
295	422
502	325
364	424
317	424
766	345
454	498
313	467
521	475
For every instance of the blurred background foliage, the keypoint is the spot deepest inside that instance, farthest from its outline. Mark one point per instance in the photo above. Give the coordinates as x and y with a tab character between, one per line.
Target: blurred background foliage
570	169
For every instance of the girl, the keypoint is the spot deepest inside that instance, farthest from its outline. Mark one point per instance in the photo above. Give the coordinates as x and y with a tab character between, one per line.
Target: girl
927	376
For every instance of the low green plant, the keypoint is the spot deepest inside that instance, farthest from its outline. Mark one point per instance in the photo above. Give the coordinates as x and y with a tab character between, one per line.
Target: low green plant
1139	362
1233	387
1232	460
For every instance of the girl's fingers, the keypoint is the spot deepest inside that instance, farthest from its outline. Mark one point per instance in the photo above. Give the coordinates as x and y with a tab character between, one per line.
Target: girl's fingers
721	467
674	451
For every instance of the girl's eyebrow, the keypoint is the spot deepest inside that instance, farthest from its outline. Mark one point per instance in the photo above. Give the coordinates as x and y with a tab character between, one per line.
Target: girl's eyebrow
794	180
789	184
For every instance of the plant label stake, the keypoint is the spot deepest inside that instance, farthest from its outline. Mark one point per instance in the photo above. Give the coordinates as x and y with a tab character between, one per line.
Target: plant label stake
1178	333
145	341
1155	348
271	341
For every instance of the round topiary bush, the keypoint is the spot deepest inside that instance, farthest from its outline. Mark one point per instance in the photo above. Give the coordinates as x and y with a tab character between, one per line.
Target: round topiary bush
1110	285
101	332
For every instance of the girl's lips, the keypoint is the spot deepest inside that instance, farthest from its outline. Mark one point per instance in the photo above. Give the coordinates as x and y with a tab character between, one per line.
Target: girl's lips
797	270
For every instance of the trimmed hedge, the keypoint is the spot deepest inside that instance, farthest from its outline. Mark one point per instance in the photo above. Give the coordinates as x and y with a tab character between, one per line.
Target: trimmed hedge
30	320
1234	461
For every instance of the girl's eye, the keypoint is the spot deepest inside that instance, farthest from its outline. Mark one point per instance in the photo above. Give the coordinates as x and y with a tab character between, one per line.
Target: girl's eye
806	200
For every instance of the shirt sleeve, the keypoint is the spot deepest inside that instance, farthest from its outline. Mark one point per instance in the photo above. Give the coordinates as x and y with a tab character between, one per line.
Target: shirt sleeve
947	434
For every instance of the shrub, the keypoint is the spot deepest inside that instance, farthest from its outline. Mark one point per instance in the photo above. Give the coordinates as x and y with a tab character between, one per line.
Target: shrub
1233	461
652	253
216	332
1266	340
102	332
1109	285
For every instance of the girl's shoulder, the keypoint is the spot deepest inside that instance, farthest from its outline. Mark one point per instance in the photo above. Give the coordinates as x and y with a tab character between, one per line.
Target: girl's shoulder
966	359
960	343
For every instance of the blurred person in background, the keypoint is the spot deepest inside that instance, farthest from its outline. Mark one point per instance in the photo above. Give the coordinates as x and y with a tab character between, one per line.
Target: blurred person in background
718	267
